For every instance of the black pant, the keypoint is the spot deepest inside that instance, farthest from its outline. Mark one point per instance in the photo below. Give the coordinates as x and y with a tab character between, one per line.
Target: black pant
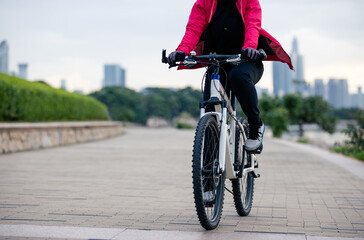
241	81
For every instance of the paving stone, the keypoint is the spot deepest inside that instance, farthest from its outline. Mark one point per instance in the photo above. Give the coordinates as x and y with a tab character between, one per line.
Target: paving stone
142	180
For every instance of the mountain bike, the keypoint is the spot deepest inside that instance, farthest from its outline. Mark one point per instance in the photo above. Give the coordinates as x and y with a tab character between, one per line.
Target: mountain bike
218	149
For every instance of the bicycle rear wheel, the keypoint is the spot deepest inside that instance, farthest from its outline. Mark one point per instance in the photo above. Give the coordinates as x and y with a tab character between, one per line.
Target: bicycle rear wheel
208	183
243	188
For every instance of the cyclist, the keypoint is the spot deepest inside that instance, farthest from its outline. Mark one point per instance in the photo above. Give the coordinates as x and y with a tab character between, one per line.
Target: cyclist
233	27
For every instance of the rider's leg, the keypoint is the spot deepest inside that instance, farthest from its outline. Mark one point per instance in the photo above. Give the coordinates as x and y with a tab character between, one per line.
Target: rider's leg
242	79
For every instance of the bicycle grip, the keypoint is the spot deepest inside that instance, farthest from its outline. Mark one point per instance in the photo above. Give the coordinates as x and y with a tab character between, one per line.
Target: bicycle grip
262	55
164	56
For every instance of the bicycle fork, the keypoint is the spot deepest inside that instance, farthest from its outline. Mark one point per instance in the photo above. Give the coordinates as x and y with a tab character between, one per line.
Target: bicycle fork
226	146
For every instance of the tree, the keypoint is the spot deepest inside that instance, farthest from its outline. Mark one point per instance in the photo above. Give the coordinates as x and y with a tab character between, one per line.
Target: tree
356	131
189	99
123	104
127	105
161	102
309	110
344	113
278	120
354	147
274	114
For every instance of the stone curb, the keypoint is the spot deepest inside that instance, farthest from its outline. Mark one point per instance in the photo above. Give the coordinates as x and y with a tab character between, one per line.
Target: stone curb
15	137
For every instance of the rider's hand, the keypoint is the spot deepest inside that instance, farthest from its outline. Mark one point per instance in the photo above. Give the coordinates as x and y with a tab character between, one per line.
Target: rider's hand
250	53
175	56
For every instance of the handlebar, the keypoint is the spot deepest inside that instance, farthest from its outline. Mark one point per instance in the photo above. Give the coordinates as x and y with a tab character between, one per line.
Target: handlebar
192	59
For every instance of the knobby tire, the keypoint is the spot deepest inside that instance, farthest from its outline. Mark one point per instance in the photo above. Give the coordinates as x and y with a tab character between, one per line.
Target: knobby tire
243	188
204	173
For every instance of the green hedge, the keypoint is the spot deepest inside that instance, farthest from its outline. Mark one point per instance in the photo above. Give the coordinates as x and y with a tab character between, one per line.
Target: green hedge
21	100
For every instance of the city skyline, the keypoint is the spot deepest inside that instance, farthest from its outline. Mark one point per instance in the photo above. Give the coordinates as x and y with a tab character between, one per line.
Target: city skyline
336	93
92	33
283	80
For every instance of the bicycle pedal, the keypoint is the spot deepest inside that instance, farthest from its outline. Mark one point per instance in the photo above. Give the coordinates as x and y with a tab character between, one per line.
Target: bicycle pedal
256	175
208	205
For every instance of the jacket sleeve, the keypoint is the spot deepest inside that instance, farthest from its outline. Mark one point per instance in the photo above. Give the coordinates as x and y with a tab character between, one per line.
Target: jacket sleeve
195	26
253	22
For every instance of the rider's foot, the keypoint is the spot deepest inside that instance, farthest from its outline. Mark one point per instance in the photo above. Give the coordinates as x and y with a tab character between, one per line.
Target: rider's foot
208	196
254	144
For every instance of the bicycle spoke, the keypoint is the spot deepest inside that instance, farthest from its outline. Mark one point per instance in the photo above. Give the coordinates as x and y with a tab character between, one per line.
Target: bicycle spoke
243	187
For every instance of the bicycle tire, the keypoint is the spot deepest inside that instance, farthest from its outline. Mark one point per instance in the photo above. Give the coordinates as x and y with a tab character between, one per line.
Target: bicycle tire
205	176
243	188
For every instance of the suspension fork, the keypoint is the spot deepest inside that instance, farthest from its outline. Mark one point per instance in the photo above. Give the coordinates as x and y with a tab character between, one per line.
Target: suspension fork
223	139
227	145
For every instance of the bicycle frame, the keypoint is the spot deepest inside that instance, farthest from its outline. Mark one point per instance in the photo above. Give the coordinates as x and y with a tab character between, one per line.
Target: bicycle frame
223	108
224	112
209	167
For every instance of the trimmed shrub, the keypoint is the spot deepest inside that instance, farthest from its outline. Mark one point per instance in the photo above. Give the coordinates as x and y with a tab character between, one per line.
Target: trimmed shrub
21	100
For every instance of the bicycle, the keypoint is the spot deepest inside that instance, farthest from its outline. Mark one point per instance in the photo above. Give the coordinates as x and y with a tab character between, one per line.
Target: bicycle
218	150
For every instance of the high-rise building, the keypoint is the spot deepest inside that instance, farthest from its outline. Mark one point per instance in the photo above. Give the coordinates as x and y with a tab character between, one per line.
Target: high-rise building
307	90
4	57
357	100
278	78
319	88
338	93
298	79
343	97
114	75
23	71
286	81
282	79
122	77
360	98
333	92
64	84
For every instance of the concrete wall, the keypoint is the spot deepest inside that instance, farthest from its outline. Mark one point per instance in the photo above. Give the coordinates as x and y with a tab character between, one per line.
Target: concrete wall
16	137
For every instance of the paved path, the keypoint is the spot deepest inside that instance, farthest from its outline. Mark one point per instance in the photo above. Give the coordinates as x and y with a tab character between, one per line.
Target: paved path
142	181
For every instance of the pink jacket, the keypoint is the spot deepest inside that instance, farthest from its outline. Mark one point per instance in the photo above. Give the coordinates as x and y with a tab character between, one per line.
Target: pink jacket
255	36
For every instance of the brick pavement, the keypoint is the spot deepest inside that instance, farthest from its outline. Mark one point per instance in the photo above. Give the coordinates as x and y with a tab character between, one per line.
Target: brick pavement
142	180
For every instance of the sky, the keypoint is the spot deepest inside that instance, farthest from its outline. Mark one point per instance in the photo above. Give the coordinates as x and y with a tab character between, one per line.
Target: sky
73	39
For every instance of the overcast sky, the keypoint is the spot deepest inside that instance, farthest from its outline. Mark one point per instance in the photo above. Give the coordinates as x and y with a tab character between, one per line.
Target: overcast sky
73	39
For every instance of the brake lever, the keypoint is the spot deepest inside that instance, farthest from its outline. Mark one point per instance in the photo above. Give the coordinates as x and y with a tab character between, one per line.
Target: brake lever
236	60
190	64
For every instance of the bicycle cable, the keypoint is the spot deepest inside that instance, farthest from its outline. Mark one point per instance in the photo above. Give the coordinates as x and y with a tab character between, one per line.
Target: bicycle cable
229	191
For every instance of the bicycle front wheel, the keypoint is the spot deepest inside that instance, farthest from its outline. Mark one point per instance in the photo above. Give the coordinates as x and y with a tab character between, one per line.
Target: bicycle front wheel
208	182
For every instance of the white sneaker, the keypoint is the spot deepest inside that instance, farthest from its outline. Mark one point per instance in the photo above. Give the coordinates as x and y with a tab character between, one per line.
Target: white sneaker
208	196
254	144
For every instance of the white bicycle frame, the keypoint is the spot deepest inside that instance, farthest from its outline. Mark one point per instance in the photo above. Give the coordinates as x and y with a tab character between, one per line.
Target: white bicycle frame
227	132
